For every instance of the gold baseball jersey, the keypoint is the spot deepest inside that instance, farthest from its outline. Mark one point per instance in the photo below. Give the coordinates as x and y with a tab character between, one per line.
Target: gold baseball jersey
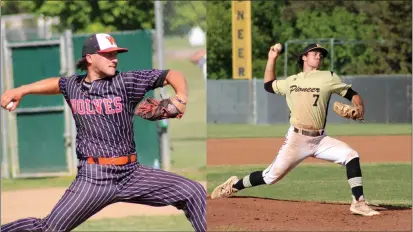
308	95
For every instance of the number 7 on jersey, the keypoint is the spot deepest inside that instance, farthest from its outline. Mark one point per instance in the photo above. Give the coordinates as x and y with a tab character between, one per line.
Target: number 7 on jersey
316	99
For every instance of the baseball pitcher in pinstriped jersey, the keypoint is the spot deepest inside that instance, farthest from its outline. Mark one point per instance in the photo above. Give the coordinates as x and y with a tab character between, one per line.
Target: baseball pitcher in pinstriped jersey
307	94
103	103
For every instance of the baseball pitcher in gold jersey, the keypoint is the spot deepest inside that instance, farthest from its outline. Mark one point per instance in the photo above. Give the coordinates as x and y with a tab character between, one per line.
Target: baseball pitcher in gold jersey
307	94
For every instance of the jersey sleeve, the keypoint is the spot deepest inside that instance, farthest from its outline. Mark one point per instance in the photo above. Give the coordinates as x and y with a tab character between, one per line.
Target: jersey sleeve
139	82
338	86
280	87
63	86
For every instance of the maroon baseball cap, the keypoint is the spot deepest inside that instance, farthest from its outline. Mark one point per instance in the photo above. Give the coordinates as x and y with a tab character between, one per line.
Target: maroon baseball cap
101	43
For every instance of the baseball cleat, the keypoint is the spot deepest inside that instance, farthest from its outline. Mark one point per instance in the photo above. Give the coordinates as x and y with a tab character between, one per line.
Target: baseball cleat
225	189
361	207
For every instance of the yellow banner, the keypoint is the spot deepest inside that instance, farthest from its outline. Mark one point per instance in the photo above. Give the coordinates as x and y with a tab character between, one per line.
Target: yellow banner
241	40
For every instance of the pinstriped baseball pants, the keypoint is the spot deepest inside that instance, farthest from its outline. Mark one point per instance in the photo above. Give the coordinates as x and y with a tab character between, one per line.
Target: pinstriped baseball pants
97	186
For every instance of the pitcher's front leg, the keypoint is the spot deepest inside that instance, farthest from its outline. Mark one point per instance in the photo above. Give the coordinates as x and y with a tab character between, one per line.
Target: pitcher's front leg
156	187
336	151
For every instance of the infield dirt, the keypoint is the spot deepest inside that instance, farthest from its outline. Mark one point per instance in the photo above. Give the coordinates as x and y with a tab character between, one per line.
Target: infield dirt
258	214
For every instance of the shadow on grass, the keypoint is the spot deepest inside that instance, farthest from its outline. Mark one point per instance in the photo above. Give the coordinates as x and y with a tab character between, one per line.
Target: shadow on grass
384	206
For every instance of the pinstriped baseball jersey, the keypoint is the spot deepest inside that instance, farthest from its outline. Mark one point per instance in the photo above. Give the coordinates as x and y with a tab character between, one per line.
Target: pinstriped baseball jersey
103	110
308	95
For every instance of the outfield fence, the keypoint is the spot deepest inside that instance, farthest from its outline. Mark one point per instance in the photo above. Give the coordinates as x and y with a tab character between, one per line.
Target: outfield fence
387	99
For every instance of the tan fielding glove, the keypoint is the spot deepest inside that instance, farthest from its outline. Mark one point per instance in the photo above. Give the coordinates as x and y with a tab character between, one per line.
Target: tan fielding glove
152	109
348	111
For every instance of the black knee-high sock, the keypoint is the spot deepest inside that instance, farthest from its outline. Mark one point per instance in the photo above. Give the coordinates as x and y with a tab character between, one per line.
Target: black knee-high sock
354	177
253	179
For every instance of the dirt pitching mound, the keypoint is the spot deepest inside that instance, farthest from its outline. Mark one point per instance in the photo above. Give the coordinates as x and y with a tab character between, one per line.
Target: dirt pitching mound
261	214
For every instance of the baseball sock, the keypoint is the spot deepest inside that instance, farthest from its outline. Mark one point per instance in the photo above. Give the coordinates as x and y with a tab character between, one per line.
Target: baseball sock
253	179
354	177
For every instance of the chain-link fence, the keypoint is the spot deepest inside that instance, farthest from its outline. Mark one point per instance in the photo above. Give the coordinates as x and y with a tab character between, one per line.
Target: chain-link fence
27	27
387	99
349	56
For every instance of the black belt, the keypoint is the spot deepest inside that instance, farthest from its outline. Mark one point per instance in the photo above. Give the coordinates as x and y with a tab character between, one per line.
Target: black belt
309	133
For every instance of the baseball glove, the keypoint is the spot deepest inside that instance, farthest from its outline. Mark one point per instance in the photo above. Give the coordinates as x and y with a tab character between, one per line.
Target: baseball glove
348	111
152	109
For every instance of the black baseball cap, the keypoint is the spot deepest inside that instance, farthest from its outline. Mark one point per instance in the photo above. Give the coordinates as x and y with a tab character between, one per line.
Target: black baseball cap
101	43
312	47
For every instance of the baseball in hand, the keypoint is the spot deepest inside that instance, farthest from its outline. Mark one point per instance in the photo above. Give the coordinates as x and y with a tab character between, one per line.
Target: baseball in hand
278	46
10	105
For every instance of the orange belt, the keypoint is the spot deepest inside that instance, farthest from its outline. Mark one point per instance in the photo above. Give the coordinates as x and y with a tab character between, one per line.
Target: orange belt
112	161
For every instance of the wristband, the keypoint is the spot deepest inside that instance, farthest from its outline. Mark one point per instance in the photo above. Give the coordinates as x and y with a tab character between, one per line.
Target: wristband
180	101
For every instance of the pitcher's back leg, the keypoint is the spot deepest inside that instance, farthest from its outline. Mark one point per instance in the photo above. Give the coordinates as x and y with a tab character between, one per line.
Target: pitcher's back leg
293	151
82	199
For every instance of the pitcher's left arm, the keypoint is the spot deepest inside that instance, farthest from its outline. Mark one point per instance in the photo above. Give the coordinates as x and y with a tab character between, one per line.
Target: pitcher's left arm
355	111
356	99
173	107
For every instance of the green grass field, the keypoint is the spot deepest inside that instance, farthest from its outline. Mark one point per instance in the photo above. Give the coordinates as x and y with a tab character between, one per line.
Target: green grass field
383	183
155	223
177	42
188	135
279	130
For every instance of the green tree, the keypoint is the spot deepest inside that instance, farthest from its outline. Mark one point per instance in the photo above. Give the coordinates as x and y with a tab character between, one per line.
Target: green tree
181	16
394	19
219	36
266	29
93	16
384	28
219	40
110	15
17	7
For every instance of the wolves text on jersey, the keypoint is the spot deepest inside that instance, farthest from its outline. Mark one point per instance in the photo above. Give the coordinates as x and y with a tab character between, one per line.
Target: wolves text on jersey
96	106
